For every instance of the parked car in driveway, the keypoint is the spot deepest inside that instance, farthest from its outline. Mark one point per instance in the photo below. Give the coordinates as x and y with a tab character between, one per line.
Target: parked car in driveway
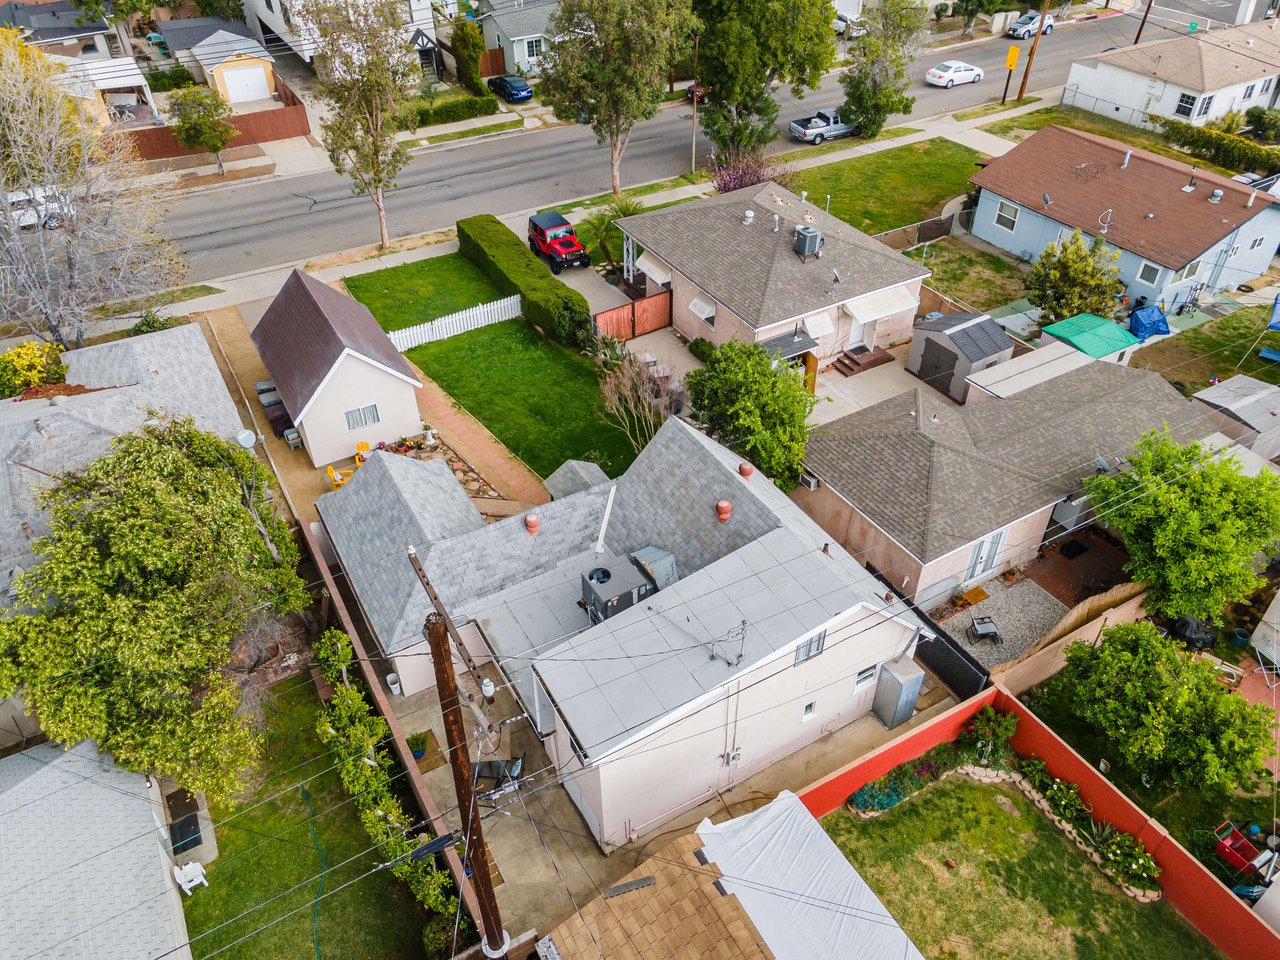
1027	25
849	26
950	72
37	208
552	236
511	88
694	91
823	125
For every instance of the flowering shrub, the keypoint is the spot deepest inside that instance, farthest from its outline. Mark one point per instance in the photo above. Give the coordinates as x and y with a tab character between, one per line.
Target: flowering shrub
1129	861
906	778
30	364
1064	799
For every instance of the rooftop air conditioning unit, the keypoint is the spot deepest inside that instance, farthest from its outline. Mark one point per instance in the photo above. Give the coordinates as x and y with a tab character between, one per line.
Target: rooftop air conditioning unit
808	480
808	242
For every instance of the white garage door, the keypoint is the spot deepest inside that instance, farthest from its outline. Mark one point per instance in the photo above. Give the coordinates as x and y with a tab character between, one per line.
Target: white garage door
246	83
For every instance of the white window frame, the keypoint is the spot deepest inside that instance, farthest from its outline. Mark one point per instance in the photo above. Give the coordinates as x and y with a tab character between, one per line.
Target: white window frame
1202	109
1001	212
1266	85
1154	281
1256	242
1248	92
362	417
1186	273
811	647
864	677
810	711
533	48
1186	105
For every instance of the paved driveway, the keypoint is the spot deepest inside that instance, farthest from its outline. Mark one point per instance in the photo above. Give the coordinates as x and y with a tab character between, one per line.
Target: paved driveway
841	395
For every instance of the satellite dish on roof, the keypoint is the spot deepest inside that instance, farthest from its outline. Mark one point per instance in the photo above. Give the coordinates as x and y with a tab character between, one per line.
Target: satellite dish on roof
246	439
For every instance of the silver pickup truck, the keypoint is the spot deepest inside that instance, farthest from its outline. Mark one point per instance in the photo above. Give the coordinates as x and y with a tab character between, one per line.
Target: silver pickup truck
823	125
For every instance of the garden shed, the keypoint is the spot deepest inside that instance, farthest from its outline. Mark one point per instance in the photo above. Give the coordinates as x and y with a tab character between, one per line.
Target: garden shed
239	68
947	348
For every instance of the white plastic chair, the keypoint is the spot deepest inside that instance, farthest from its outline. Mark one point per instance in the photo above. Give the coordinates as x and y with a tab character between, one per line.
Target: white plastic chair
189	876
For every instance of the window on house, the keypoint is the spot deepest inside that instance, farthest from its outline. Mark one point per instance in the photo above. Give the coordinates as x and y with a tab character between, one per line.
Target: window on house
810	648
1232	252
864	677
1186	103
1205	104
1006	215
1149	273
533	48
1248	92
810	709
1256	242
270	6
1266	85
362	417
1190	270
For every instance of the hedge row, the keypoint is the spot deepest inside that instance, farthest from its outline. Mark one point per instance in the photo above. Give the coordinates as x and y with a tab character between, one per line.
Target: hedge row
419	112
559	311
172	79
1224	149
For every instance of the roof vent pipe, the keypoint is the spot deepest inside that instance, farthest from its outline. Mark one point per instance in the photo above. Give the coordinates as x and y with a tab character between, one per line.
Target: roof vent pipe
804	195
724	510
1252	194
1127	155
777	223
747	217
1215	196
532	523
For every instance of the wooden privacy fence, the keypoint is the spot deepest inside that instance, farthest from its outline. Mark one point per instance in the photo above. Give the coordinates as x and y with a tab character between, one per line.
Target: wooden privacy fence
264	126
493	62
636	318
473	318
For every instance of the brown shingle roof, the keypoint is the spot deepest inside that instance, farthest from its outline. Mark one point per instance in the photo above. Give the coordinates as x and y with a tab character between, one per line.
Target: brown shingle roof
306	330
1227	57
1149	212
680	916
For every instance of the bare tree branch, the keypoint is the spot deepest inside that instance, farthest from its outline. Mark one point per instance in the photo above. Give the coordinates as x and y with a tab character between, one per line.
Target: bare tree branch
637	403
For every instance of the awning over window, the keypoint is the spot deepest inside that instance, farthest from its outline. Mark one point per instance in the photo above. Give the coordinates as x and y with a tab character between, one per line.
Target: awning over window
702	309
653	268
880	304
819	325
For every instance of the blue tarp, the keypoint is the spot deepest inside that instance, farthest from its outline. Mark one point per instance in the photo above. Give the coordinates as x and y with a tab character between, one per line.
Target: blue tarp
1148	321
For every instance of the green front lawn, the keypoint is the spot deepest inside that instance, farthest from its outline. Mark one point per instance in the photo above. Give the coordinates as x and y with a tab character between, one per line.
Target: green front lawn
539	399
892	188
1019	889
980	279
422	291
1022	126
1213	350
375	917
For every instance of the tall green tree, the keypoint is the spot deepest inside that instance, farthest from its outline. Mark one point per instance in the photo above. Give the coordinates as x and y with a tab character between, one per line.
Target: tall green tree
608	66
468	49
760	406
1163	711
367	68
1072	276
159	554
745	47
1193	524
876	82
201	120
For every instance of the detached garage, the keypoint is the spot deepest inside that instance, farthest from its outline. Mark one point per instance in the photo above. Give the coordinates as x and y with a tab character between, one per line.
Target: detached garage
239	68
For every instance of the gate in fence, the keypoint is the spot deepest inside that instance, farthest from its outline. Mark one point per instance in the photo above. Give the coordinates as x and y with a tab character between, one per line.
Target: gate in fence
636	318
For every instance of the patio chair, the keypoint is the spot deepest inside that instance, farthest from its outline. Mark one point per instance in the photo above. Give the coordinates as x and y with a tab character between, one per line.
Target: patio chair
362	453
338	477
189	876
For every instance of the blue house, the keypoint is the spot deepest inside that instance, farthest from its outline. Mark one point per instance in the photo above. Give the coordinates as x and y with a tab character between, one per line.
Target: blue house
1180	231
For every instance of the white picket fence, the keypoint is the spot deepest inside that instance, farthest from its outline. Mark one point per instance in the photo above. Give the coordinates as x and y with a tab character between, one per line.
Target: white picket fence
472	318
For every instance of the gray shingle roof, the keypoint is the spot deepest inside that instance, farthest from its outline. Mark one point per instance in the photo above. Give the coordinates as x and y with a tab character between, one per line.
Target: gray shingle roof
171	371
222	45
754	271
946	476
185	34
1254	403
528	19
574	476
390	503
45	22
1236	55
307	329
980	340
83	874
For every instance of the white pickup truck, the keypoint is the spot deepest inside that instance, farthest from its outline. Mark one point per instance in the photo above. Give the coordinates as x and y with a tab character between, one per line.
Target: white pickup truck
823	125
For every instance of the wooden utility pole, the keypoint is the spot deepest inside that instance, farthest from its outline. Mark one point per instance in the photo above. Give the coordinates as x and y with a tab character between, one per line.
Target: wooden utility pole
1146	13
496	941
1031	57
693	141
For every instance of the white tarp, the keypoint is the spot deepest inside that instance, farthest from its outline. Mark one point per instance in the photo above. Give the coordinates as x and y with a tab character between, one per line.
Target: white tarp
1267	909
1266	637
801	893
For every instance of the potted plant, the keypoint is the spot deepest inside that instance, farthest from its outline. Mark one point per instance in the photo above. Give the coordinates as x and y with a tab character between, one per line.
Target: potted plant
417	745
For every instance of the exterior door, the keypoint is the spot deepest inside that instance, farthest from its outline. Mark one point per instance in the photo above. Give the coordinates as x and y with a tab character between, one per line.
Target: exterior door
937	366
245	84
864	691
982	559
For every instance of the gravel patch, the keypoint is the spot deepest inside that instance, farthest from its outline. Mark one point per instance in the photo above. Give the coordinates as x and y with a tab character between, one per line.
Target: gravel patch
1023	611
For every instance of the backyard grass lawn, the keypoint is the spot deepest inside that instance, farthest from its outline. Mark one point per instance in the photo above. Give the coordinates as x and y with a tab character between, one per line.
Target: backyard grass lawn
892	188
1020	127
1213	349
540	399
1020	889
980	279
424	290
373	918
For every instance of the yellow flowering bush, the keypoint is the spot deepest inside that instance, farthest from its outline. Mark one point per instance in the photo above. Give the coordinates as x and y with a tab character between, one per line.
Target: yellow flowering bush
30	364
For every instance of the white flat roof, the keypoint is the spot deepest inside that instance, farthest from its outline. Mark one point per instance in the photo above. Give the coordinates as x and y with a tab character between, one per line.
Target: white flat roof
1014	376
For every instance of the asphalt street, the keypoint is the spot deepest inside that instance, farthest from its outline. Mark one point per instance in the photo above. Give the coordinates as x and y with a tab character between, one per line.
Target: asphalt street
243	227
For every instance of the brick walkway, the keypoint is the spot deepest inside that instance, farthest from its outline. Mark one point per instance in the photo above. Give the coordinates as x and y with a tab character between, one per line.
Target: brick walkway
474	443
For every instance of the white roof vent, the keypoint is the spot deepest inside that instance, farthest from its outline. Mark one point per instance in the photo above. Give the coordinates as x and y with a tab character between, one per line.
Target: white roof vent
1215	196
747	217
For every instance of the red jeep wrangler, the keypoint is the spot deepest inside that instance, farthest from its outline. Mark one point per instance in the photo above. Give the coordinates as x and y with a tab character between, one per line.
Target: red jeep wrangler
552	236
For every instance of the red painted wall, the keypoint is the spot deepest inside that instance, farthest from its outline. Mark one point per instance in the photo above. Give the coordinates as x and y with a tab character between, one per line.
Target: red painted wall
1197	894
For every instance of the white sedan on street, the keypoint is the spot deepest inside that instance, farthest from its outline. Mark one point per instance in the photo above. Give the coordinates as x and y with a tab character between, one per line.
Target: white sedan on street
951	72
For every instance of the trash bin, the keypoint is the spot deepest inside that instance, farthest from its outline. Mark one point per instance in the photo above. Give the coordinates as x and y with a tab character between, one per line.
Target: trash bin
393	681
1240	637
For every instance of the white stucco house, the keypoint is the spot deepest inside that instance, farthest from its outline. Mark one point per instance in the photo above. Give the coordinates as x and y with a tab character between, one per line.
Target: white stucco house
339	377
272	22
1182	78
684	617
1180	231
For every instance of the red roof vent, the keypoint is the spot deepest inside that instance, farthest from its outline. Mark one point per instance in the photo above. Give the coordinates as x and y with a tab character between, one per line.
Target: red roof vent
533	523
724	510
746	469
